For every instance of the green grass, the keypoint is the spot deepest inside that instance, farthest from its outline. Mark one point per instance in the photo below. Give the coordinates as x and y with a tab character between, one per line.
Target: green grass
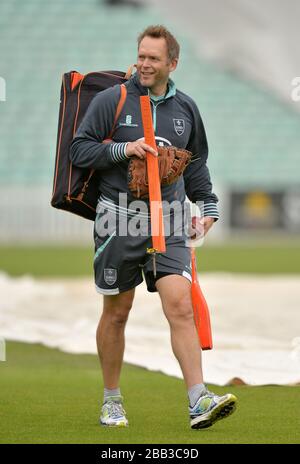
46	261
260	258
52	397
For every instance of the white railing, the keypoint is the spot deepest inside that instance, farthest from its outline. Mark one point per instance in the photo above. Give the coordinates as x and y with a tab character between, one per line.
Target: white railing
26	216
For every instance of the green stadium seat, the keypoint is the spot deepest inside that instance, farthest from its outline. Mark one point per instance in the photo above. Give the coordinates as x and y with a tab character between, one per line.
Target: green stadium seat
252	136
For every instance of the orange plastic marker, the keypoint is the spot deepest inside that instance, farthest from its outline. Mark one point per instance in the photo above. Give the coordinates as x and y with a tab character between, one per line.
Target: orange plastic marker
157	224
201	311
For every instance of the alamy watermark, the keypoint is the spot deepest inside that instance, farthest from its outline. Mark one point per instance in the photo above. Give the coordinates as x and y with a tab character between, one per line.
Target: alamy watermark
295	93
134	219
2	89
2	349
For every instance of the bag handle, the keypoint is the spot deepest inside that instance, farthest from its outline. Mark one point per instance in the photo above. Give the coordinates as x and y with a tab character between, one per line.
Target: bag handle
129	71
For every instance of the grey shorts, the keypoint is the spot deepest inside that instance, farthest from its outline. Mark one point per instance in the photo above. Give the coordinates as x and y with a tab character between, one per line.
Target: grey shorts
121	259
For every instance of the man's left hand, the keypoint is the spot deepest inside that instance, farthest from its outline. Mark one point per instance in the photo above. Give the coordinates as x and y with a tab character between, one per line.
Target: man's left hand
200	226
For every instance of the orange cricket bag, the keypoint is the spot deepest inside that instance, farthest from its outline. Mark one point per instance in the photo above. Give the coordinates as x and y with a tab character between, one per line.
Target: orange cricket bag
76	189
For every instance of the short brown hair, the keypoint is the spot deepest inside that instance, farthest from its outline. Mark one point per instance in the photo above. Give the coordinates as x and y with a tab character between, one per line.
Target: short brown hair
158	32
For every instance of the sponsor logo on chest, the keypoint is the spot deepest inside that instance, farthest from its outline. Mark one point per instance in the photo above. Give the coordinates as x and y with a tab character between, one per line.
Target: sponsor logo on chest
128	122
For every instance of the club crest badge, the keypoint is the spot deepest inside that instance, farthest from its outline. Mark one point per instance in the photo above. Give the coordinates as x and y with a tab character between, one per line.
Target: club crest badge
179	126
110	276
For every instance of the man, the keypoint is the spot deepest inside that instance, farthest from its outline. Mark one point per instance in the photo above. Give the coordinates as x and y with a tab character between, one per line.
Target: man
120	260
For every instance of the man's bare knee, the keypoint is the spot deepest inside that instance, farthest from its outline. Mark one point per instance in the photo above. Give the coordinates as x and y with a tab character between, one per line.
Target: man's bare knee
179	310
119	316
117	308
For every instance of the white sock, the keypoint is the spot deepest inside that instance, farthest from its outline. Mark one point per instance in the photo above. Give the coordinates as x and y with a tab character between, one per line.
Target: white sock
195	392
112	392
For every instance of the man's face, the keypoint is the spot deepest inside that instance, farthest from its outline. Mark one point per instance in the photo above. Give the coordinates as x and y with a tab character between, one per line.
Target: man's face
153	65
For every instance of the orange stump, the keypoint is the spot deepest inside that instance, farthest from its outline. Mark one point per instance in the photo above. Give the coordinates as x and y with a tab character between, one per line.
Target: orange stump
201	311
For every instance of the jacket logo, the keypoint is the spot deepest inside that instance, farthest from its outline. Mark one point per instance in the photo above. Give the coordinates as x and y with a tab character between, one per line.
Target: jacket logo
128	122
179	126
110	276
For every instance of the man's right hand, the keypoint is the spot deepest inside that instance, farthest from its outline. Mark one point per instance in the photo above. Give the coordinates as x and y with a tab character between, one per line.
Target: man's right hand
139	148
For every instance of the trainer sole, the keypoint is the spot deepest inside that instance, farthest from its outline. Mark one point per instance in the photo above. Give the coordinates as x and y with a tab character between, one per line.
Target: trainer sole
122	424
221	411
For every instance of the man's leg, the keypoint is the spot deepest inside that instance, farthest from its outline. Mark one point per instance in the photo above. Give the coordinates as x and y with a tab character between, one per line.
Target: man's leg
177	306
111	344
110	336
205	407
